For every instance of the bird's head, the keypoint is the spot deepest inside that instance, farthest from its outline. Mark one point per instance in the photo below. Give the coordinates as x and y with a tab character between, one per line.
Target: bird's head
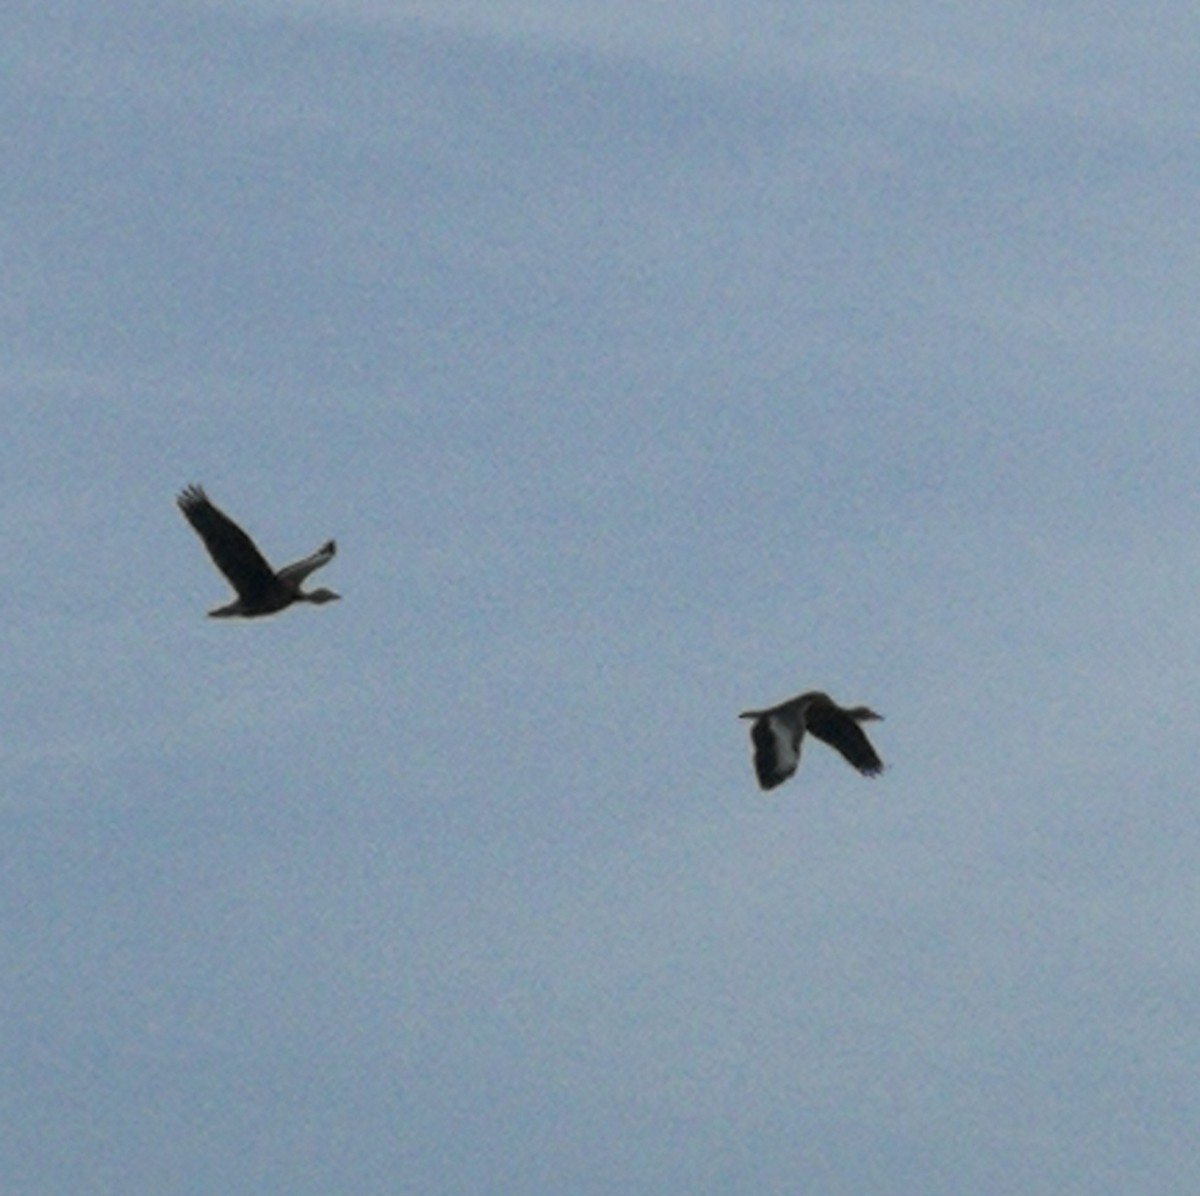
320	597
864	714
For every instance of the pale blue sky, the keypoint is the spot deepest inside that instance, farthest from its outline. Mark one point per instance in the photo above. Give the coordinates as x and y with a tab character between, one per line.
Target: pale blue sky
647	364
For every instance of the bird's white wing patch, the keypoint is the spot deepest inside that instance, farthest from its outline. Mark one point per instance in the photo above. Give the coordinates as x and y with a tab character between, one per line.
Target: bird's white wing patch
787	746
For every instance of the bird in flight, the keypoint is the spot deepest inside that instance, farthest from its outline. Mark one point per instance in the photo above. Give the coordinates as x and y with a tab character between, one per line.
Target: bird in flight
778	732
261	590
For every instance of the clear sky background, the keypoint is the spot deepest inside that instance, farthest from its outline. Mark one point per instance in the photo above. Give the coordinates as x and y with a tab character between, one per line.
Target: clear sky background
648	362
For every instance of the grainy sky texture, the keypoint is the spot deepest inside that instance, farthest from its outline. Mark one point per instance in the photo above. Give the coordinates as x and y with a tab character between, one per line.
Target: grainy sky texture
648	362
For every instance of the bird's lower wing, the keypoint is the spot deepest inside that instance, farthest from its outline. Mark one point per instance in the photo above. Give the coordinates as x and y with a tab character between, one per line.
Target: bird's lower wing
843	734
232	551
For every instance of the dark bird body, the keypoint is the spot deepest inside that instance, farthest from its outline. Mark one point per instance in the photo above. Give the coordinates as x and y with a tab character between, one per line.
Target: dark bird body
778	732
261	590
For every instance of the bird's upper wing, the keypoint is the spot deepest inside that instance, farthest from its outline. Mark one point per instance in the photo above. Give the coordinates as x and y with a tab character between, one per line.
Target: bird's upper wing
297	571
840	731
776	750
233	552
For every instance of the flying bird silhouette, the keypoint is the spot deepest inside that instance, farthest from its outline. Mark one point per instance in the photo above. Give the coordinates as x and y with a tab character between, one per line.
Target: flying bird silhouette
260	589
778	732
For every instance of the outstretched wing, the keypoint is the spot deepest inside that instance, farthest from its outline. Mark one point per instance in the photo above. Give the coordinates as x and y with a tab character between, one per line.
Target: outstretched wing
292	575
840	731
776	750
232	551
